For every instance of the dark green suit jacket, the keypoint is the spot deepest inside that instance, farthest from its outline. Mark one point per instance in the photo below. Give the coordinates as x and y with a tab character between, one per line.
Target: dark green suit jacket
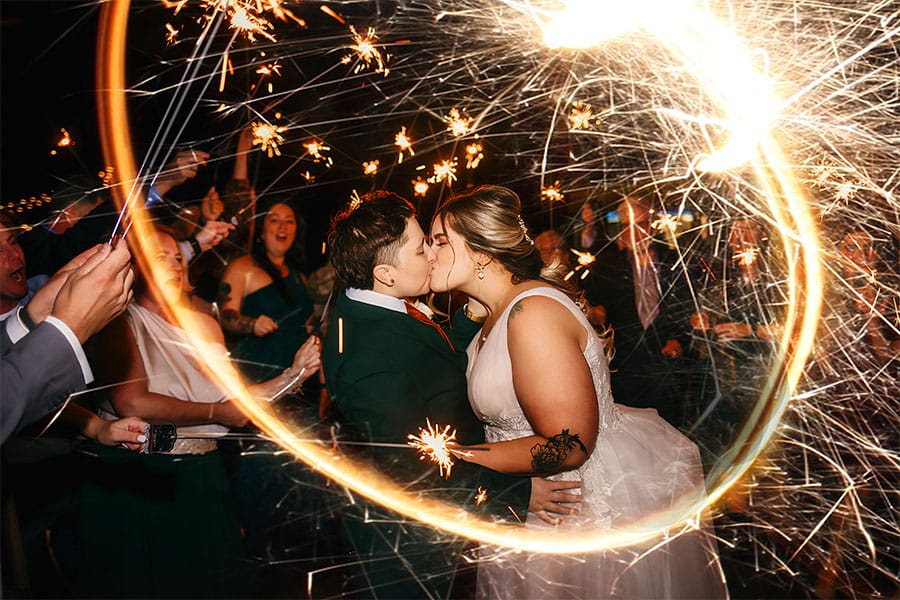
391	374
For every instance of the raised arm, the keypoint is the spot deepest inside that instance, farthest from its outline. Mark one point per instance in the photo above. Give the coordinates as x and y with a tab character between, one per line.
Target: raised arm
554	386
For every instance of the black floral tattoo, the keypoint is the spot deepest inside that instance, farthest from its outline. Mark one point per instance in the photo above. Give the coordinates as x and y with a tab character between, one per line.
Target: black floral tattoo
550	457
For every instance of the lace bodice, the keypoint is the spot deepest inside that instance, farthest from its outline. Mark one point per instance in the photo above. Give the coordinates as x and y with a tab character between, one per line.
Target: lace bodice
493	397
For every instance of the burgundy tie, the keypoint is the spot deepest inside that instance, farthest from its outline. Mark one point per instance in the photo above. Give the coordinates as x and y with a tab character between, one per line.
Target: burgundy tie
418	315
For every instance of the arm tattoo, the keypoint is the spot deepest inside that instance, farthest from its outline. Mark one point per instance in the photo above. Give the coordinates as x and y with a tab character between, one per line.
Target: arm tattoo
517	308
550	457
235	322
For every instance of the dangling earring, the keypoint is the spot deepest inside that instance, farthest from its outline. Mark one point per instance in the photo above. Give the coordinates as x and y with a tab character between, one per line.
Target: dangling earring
479	270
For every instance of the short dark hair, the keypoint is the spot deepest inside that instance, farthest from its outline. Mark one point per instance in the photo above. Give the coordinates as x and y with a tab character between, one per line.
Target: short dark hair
368	233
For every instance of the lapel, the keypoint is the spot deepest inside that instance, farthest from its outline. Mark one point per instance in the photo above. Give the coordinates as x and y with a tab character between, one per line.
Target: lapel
402	332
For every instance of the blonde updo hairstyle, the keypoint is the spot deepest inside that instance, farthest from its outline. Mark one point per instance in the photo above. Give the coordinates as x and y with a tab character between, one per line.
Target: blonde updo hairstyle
489	218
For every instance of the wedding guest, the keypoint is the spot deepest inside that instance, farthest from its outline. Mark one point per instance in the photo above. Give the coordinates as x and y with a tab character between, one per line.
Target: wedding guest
181	535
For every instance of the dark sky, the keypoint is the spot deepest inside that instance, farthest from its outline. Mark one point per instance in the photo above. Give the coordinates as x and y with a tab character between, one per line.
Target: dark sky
47	84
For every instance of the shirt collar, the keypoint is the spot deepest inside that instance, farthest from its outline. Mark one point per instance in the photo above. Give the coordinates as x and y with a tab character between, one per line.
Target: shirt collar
377	299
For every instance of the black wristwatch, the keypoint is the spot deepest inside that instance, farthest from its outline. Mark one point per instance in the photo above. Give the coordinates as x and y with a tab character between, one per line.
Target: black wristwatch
195	245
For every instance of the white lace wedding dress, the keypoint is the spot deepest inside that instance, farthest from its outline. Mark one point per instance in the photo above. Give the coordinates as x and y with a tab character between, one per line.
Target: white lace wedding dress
639	466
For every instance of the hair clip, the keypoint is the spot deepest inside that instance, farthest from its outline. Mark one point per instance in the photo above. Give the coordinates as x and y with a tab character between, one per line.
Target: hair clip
524	230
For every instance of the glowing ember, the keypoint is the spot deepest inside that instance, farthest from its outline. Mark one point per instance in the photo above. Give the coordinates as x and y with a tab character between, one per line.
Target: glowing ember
66	140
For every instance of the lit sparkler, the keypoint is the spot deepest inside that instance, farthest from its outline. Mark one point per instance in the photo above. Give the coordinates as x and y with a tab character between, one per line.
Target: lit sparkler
746	257
366	53
552	193
65	141
474	154
171	33
444	171
420	187
370	167
458	123
435	444
318	151
268	137
404	143
582	116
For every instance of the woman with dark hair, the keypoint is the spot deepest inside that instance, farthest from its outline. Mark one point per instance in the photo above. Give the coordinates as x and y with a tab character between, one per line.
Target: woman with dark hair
538	379
264	299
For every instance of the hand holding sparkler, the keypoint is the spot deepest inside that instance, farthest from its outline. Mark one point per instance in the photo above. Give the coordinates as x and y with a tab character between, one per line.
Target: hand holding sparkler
96	292
180	168
212	207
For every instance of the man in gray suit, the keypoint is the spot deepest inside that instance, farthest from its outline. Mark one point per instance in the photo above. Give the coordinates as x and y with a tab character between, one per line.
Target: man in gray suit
43	362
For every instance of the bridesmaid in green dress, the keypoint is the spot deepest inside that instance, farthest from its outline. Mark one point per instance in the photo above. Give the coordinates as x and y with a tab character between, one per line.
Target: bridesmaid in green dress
264	300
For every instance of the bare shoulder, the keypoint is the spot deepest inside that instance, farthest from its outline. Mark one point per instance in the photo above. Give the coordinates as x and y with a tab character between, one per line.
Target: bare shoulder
539	315
239	265
207	327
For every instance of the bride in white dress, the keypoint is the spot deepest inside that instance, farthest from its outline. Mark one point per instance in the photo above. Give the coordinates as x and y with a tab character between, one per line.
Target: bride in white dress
538	379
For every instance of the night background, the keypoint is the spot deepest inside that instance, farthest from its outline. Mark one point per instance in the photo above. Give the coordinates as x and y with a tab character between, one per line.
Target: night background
838	64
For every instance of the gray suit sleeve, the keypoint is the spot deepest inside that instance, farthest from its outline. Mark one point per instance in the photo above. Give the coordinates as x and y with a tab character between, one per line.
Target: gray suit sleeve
38	374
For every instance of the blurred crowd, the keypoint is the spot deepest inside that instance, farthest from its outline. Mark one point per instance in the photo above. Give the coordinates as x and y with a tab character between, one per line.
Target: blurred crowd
96	361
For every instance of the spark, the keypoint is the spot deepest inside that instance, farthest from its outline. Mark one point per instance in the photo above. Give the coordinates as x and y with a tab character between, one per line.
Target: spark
458	123
584	258
270	69
106	176
317	150
434	444
404	143
481	496
268	137
665	222
582	116
370	167
474	154
366	53
355	200
171	34
552	193
65	140
420	187
746	257
444	171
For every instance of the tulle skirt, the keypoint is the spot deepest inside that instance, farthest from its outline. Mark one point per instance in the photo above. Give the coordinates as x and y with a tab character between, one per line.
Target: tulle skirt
640	467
